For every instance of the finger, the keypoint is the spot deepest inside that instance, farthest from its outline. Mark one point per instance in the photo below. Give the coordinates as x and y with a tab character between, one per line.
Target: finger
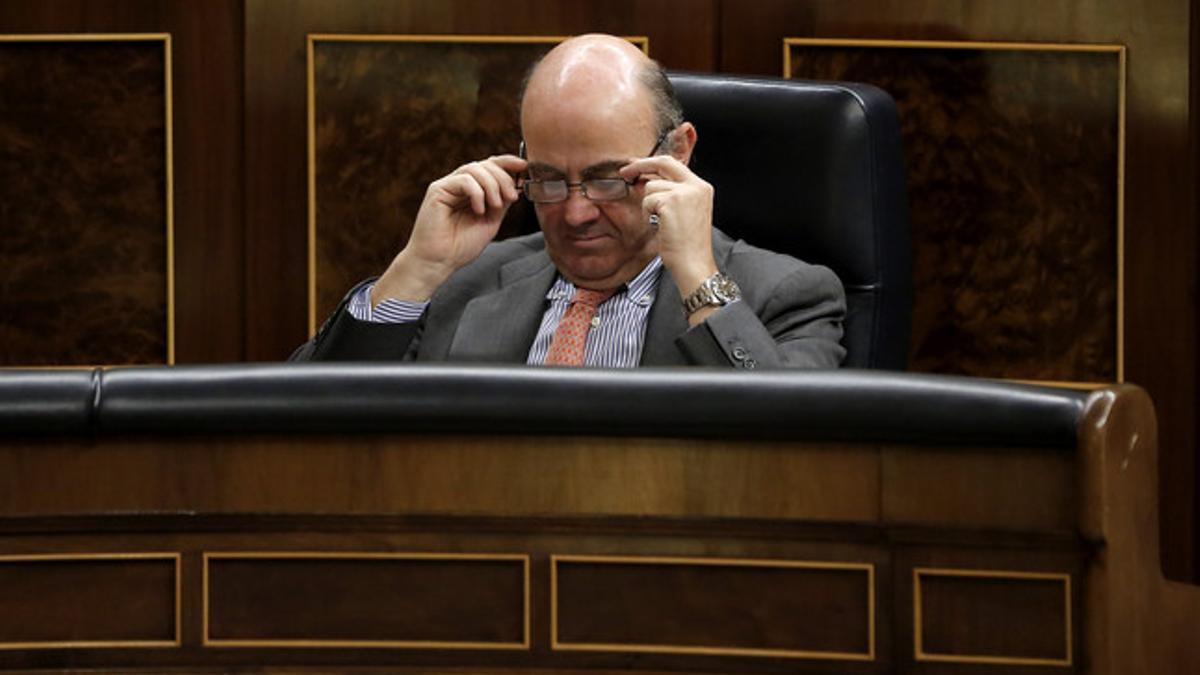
659	185
652	205
464	186
665	166
510	163
487	181
508	186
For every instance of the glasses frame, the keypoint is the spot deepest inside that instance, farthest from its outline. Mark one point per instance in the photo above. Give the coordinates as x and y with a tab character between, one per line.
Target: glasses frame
525	182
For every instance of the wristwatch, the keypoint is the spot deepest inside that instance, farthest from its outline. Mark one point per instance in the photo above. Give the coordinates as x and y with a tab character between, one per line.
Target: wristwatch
715	291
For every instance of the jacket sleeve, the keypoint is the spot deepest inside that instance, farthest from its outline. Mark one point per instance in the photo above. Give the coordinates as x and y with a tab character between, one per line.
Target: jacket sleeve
795	322
344	338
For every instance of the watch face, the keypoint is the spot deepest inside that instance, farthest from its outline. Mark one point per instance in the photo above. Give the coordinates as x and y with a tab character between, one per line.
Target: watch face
726	289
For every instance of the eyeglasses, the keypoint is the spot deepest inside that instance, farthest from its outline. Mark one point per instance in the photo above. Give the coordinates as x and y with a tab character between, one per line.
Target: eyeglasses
595	189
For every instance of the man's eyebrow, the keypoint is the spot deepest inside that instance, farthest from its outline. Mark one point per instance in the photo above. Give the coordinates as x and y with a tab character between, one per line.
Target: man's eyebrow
544	169
605	168
609	166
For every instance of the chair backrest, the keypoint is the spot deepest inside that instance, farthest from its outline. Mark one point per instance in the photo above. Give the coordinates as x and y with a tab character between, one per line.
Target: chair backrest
814	170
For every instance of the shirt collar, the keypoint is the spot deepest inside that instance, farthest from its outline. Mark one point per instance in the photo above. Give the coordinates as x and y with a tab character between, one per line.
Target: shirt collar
636	288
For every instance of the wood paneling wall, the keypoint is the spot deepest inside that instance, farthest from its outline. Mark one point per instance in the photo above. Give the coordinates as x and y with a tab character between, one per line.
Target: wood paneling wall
240	148
207	105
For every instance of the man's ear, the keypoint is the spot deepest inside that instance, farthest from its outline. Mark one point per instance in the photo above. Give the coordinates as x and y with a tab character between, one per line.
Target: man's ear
683	141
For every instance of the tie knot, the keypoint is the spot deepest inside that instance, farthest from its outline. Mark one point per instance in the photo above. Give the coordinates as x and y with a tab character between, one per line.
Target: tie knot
591	298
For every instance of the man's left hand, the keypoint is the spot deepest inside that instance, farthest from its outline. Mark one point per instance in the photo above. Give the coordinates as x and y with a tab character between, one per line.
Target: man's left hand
683	203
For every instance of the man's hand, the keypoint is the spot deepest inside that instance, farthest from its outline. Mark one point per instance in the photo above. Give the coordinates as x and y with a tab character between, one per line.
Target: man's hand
683	203
460	215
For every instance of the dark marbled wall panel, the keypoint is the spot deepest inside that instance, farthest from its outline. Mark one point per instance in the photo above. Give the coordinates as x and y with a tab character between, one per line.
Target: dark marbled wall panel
1012	175
83	216
390	117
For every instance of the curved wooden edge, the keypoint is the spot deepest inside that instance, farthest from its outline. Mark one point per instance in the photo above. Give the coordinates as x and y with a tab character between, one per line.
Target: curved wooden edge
1134	619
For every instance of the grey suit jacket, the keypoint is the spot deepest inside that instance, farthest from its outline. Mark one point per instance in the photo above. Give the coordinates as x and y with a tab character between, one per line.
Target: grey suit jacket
790	315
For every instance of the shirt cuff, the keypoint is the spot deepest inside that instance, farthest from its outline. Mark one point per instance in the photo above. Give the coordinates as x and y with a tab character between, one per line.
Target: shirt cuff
390	310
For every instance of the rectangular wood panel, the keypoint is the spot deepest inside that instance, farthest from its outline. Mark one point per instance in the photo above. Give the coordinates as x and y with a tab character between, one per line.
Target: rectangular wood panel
791	609
387	116
1014	154
89	601
85	200
394	600
992	617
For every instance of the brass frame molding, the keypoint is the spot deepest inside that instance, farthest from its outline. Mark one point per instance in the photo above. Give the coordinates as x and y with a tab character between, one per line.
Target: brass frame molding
1117	50
919	653
319	643
168	125
312	43
174	558
558	645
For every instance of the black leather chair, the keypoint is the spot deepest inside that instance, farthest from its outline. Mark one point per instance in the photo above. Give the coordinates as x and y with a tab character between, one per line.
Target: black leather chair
814	169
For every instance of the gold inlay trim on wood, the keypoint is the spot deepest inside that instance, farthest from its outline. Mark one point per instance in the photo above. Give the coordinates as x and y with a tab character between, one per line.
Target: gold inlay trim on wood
919	653
310	78
175	558
169	127
208	641
558	645
1122	56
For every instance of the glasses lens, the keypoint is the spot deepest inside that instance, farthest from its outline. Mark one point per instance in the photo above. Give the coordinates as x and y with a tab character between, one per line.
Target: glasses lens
605	189
546	191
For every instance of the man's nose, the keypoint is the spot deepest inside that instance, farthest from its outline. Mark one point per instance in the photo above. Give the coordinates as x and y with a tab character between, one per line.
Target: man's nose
579	210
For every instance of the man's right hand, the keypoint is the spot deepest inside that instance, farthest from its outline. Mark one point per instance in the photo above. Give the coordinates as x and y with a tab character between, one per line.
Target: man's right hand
460	215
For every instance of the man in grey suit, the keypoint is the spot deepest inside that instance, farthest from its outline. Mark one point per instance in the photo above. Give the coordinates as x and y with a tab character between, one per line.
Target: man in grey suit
627	270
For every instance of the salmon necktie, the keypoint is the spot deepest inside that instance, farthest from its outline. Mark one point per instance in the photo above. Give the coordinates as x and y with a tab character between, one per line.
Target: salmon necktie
570	338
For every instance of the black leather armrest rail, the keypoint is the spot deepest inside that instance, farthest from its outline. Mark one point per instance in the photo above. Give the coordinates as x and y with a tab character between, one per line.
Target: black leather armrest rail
47	401
335	398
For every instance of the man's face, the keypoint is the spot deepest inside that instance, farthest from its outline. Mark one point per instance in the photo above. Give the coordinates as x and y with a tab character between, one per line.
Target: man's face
594	244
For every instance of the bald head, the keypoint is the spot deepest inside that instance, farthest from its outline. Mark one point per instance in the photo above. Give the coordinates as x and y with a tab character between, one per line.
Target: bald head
594	76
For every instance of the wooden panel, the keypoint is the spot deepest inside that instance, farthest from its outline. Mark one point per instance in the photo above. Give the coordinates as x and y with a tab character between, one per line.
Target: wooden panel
1014	198
992	617
85	182
208	141
1001	489
1161	238
397	600
207	138
389	115
415	474
784	609
89	601
276	195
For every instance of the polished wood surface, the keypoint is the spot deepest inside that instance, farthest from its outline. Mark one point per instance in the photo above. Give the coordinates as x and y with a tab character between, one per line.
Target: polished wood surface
366	600
85	131
653	554
1013	158
277	196
1161	235
207	151
240	154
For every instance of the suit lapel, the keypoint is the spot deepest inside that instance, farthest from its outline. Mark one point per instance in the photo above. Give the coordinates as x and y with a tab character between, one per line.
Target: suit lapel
667	321
500	326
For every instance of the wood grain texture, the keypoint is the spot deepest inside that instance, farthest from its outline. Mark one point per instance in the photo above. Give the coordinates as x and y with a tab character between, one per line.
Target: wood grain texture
207	88
81	600
502	476
380	600
83	202
995	617
681	33
1012	167
390	118
1161	235
799	612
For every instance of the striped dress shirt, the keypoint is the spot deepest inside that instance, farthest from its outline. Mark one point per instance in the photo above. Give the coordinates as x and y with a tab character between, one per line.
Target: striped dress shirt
618	330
